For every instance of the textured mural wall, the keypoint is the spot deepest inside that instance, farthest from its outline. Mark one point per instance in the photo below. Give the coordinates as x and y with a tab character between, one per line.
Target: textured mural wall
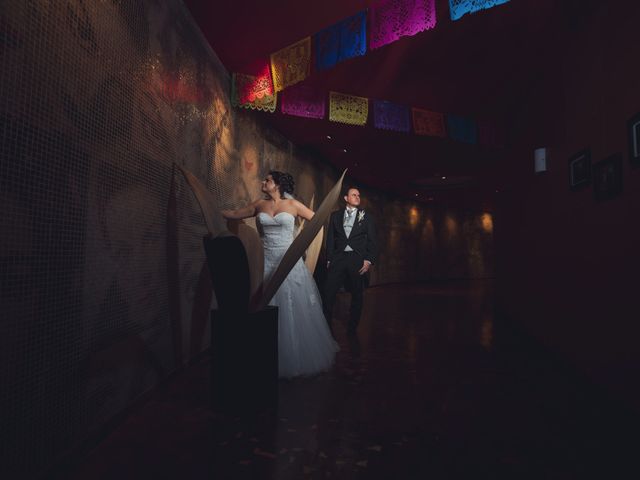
421	242
104	285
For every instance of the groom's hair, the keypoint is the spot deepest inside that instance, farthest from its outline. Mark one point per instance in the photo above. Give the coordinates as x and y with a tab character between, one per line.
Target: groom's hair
345	191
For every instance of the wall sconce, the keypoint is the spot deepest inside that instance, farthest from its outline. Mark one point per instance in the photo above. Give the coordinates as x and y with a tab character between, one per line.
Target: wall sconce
540	160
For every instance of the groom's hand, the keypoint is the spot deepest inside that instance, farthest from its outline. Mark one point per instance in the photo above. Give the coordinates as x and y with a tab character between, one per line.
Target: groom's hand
365	267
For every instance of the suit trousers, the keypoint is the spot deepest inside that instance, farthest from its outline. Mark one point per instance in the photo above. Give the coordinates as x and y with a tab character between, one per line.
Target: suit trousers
343	270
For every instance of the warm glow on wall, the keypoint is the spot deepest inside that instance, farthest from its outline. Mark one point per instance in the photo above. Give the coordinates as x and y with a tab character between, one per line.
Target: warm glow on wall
487	222
428	230
394	239
451	225
486	332
414	217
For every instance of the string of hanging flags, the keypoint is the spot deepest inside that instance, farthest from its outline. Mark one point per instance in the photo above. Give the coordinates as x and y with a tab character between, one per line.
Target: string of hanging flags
304	101
389	21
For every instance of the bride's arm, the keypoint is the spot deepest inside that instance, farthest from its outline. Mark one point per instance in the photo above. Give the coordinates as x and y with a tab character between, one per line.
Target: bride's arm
303	211
240	213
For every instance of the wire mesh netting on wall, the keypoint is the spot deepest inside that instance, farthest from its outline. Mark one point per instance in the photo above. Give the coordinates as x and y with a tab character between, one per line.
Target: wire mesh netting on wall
98	100
104	283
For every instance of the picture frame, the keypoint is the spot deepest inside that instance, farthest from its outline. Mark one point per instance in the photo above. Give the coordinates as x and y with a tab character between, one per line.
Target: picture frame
580	169
607	177
633	132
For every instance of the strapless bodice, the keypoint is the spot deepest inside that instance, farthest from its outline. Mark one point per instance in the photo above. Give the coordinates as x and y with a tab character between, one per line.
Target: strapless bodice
276	231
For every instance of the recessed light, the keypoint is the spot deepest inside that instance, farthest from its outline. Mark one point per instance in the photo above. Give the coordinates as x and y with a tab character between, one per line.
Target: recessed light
328	137
344	150
444	178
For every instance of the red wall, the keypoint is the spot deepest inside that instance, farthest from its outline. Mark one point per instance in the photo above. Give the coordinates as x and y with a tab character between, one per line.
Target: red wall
567	265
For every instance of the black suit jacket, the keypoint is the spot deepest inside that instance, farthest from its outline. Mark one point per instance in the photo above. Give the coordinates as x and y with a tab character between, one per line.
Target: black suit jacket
362	239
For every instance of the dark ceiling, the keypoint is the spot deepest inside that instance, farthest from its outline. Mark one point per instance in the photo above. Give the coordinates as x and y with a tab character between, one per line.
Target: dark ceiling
481	66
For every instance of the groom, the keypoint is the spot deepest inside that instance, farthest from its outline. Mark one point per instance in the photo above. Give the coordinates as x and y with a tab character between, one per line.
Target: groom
351	250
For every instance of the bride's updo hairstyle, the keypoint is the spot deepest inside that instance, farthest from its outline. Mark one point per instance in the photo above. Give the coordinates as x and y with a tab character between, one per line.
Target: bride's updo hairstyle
284	181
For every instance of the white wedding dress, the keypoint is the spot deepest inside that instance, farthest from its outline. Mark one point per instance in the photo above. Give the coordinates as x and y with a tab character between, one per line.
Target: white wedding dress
305	344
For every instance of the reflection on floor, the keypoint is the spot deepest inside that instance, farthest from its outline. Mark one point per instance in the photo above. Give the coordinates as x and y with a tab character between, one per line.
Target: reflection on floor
432	389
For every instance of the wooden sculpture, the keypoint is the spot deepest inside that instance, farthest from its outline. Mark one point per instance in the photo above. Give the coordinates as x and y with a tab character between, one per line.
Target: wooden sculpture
247	235
309	239
255	254
205	200
313	251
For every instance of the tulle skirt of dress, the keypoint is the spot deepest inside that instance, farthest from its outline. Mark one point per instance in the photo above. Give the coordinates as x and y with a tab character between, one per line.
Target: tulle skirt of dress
305	343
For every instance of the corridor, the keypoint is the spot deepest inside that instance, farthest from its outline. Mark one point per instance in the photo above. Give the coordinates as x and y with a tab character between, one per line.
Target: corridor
437	386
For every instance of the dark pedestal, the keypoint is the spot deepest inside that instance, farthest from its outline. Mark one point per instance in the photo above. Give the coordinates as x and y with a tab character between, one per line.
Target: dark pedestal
244	370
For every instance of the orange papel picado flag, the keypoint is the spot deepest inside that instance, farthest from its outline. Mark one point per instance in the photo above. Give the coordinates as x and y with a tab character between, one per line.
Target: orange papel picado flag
429	123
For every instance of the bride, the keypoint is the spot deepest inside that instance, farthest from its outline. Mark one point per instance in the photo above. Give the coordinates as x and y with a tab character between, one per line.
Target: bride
305	344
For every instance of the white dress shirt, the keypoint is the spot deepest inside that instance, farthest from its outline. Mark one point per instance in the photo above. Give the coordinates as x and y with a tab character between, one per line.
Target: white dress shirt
349	220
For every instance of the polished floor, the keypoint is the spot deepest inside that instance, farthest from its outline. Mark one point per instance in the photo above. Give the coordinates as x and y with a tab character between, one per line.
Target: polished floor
436	386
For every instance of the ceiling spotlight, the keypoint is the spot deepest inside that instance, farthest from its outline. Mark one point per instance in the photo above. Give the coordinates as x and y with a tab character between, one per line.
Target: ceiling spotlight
444	178
416	194
328	137
344	150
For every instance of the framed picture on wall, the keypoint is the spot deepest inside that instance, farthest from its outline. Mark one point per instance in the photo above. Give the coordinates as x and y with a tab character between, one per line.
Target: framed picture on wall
607	177
580	169
633	131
